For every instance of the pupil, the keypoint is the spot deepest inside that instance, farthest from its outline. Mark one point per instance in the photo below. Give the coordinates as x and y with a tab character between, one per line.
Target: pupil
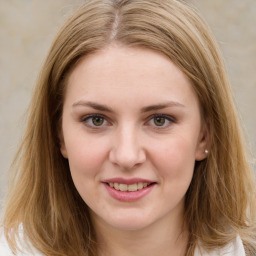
159	121
97	121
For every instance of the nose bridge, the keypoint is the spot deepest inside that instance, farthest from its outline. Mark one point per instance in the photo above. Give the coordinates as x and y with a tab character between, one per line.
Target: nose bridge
127	150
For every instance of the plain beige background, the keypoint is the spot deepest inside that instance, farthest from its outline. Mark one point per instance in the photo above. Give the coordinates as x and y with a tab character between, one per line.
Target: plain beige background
27	28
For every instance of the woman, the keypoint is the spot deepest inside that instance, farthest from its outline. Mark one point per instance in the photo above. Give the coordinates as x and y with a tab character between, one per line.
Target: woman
132	146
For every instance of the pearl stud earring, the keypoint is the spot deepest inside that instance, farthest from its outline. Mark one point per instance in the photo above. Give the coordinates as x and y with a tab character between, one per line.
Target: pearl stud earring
206	151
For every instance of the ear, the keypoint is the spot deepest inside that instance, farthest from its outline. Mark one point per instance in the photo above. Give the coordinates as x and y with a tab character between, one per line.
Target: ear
62	144
203	143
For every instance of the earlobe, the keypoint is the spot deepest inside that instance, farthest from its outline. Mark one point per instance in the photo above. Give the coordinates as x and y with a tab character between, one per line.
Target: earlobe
203	144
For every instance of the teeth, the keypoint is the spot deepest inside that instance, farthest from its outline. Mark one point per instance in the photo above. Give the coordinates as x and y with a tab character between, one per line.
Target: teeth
116	186
130	188
140	186
123	187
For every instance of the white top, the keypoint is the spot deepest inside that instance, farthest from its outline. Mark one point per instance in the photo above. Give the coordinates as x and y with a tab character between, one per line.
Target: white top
233	249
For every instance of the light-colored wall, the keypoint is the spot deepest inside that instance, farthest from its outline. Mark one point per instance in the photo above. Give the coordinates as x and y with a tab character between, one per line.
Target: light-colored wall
27	29
234	25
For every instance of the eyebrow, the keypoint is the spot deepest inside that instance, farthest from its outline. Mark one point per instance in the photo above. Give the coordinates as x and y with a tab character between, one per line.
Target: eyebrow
93	105
104	108
162	106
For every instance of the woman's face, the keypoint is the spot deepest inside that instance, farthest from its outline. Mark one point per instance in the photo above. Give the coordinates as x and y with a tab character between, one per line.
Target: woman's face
131	132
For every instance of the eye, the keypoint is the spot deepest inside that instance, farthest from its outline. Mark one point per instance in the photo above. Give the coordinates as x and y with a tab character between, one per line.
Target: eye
94	120
161	121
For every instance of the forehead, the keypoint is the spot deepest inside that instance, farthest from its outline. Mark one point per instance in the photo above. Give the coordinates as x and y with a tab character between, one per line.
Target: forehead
120	72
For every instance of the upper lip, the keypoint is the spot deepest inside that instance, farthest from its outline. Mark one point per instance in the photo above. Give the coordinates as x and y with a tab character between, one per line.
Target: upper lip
127	181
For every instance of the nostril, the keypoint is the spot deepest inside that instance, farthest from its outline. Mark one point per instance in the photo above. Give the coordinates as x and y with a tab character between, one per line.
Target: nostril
127	158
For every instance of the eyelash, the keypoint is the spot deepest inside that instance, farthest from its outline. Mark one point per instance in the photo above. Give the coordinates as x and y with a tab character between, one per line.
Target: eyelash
89	118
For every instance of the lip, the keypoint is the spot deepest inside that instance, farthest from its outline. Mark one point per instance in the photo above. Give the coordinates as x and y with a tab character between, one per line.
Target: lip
126	196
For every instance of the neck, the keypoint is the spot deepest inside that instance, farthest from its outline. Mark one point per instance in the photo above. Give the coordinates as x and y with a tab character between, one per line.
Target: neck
154	240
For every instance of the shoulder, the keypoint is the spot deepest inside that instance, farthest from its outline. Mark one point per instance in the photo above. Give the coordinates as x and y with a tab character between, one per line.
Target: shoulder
6	250
235	248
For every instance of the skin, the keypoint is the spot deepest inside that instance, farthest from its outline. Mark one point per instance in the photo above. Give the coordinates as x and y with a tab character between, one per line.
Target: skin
128	88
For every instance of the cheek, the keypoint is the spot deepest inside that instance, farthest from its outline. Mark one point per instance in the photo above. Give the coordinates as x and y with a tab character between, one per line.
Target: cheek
175	160
86	156
86	160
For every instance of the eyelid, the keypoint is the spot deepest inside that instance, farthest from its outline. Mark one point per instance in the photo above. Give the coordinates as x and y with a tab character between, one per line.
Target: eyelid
85	117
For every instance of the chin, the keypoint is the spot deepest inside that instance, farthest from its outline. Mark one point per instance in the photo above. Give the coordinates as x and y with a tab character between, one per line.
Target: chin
129	222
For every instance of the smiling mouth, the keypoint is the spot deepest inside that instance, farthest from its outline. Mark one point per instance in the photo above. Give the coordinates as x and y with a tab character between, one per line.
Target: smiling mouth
129	188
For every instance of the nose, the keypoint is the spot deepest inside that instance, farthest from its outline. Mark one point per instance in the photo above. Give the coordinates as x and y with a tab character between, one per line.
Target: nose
127	151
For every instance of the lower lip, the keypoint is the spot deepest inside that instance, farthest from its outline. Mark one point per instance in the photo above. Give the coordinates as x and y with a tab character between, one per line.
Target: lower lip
126	196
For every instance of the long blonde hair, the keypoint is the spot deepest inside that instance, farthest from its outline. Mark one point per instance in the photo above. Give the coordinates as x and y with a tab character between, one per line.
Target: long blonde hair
220	202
